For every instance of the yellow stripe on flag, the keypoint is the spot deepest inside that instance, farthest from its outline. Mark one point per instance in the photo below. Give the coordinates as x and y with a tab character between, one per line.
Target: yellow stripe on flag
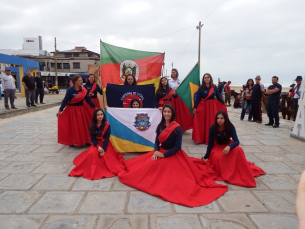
123	146
193	88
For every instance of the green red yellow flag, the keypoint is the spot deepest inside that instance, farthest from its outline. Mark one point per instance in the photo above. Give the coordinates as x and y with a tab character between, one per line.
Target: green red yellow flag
189	87
117	62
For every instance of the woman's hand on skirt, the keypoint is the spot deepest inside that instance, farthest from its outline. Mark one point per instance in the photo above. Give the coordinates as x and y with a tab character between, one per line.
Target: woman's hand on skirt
58	113
226	150
101	151
157	155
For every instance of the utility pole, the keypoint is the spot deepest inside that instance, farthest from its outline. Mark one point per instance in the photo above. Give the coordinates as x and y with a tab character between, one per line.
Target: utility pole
56	77
199	28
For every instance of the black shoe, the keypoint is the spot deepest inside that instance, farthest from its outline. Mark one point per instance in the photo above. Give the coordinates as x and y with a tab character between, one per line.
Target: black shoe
14	108
7	108
269	124
88	144
276	126
28	105
34	105
71	145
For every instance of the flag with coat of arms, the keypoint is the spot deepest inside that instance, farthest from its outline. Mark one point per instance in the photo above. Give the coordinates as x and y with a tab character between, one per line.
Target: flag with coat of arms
133	129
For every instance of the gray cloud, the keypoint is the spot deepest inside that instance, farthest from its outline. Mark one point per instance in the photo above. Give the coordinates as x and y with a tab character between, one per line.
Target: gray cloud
239	40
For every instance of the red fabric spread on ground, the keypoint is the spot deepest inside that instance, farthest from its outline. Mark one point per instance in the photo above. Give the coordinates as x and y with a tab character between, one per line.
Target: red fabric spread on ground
93	167
176	179
73	123
204	117
233	167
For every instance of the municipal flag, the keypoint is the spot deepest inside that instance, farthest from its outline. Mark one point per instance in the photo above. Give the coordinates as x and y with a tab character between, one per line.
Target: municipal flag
133	129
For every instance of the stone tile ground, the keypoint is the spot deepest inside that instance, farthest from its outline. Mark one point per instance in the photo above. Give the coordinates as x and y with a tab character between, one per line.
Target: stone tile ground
36	192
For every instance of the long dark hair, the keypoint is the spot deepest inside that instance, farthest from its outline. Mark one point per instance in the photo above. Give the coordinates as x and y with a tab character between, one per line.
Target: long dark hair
173	118
134	80
94	121
160	88
247	84
87	81
203	83
227	125
135	100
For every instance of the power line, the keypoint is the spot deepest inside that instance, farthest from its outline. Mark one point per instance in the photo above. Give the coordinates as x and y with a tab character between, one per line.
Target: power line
214	10
187	46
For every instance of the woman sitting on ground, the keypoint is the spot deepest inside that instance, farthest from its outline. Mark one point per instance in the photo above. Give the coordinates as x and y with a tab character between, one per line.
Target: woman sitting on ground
226	160
101	159
167	172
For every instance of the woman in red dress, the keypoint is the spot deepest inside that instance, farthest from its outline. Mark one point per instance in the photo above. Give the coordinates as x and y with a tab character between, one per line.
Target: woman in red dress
205	109
166	95
226	160
92	89
167	172
73	117
101	159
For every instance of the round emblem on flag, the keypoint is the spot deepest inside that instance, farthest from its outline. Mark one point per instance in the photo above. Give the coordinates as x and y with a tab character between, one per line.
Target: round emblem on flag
129	67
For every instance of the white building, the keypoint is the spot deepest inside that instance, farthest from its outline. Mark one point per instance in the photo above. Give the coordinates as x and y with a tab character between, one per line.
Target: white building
30	46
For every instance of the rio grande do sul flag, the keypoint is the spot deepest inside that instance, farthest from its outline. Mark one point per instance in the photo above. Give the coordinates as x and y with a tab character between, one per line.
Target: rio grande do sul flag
133	129
117	62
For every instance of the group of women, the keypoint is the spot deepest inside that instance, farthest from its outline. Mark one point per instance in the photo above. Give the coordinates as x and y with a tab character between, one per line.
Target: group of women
166	172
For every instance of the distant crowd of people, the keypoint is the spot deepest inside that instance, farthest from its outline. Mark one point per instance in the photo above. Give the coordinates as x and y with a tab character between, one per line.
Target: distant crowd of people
253	93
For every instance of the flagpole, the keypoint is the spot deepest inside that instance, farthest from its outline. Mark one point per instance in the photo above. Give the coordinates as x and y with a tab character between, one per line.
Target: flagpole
199	41
104	92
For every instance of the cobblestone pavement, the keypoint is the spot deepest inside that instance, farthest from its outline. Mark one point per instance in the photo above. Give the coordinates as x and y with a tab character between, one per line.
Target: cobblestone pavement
36	192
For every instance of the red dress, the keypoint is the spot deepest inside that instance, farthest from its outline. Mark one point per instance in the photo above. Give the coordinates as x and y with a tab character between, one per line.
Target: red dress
204	117
176	178
74	121
233	167
93	167
183	115
96	101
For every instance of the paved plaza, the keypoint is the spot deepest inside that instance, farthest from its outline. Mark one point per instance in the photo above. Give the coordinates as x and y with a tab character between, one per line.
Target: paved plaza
36	192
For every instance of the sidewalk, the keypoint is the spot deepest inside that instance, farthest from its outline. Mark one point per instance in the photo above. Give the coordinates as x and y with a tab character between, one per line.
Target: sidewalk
36	191
51	100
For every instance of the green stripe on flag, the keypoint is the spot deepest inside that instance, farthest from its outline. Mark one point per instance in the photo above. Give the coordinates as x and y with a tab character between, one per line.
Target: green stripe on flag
114	54
188	87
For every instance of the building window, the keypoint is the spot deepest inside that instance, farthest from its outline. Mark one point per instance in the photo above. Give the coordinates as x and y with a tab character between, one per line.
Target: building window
76	55
59	66
52	65
66	66
76	64
42	65
67	55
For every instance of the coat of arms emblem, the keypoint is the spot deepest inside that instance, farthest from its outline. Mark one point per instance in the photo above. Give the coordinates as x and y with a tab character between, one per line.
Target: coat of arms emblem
142	121
129	67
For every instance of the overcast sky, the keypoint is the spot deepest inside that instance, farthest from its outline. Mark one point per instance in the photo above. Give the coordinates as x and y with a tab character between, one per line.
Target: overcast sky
240	38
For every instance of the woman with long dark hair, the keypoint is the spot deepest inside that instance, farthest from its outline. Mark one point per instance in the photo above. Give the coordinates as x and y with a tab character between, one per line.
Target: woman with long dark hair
167	172
226	159
164	93
92	89
101	159
130	81
73	117
247	100
205	108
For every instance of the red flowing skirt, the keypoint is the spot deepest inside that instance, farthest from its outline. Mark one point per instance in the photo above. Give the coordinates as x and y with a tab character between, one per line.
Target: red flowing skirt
96	101
176	179
93	167
73	125
204	117
233	167
183	115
